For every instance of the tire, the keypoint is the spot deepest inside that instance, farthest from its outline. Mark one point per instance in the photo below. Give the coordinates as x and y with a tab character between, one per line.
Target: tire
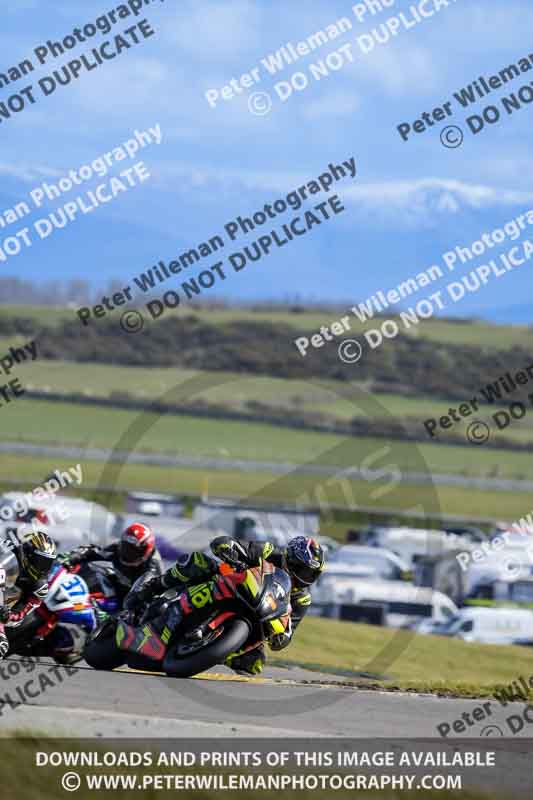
102	652
137	661
236	632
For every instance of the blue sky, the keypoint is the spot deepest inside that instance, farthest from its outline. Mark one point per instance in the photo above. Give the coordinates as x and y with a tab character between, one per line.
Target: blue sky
409	203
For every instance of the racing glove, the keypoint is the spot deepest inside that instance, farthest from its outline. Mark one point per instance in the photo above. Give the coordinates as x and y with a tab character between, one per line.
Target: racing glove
278	641
4	645
77	556
151	588
16	617
5	613
231	551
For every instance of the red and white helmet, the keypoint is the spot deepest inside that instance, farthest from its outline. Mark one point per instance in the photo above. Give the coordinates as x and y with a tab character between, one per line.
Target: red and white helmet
137	544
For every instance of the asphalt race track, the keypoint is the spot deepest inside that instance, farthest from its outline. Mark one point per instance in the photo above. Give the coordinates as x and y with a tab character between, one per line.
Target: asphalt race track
285	702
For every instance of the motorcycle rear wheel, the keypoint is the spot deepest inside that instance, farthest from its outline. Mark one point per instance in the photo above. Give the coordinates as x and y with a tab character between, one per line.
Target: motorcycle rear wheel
102	651
236	632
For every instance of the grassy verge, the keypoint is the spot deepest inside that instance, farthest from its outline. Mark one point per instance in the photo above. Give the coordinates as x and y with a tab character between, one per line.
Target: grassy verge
41	421
409	661
317	491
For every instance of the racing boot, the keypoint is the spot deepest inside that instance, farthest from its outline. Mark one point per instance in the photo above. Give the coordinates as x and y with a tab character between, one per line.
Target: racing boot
248	661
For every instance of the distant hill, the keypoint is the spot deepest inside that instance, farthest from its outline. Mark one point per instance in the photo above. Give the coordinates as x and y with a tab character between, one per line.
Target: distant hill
263	345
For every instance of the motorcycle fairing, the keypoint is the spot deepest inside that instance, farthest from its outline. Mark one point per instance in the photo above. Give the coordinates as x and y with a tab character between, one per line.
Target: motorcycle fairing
144	641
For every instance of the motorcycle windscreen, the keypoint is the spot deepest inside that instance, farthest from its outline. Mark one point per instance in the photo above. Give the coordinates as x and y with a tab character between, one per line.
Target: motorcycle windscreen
269	590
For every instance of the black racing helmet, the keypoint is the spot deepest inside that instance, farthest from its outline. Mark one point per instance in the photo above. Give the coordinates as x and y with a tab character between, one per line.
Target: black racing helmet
38	555
305	559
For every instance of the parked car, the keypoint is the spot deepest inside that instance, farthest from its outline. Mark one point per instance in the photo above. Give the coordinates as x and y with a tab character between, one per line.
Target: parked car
514	562
368	562
412	544
489	626
153	504
231	517
378	602
506	590
466	532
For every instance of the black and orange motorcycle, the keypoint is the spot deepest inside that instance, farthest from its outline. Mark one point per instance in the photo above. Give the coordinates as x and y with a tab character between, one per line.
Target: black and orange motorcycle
235	611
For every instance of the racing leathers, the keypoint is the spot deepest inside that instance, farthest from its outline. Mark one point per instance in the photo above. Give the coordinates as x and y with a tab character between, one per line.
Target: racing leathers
197	567
126	574
30	592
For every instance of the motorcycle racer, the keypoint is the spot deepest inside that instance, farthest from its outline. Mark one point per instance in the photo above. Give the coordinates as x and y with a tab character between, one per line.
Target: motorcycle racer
133	556
24	566
303	559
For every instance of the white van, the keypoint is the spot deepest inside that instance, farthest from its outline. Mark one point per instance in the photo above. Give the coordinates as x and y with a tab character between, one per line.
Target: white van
490	626
414	543
380	602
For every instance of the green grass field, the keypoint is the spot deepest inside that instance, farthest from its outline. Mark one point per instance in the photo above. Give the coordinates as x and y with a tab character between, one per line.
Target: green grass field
72	424
90	426
235	391
317	491
412	661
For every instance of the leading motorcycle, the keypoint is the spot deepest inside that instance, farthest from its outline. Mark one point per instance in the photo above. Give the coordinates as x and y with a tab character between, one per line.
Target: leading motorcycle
238	608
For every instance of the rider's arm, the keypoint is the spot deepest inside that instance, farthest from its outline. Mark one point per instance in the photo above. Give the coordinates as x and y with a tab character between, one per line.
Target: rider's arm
155	568
259	551
300	602
189	568
87	553
233	551
30	600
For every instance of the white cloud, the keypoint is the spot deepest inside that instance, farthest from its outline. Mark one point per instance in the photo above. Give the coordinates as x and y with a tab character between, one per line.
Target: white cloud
422	203
400	194
418	203
395	193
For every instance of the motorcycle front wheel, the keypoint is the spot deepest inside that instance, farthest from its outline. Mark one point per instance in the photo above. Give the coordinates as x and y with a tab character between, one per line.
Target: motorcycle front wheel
102	651
234	634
